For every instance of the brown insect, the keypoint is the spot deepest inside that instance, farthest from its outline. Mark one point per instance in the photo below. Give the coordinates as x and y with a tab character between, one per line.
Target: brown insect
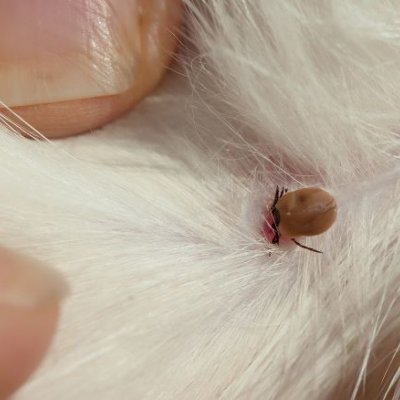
303	212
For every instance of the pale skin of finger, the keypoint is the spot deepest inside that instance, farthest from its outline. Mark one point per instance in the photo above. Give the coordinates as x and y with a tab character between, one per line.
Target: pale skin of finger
30	295
25	336
158	28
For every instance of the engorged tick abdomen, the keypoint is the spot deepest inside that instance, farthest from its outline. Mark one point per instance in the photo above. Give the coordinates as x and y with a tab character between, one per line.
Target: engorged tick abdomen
306	212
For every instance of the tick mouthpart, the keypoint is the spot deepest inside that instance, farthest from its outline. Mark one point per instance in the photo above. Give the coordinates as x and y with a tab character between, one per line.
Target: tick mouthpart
268	230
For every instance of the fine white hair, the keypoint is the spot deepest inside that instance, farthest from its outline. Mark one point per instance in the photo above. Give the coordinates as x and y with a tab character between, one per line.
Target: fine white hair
156	219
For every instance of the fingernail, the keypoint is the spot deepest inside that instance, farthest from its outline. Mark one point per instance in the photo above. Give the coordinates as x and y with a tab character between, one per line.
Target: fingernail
26	283
57	50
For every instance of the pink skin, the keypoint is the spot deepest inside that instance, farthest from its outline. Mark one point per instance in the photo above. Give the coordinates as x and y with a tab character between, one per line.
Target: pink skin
266	229
269	233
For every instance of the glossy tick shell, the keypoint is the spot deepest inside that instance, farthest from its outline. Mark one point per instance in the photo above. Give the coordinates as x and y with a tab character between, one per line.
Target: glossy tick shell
305	212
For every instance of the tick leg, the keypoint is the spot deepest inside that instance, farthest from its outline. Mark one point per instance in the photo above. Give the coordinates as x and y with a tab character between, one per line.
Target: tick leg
278	195
276	198
306	247
276	218
275	224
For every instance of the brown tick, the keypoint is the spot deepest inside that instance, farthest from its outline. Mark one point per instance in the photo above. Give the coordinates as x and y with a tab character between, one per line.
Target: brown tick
303	212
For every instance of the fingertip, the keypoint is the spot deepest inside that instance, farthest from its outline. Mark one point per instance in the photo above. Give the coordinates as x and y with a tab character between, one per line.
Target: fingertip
25	335
30	296
84	74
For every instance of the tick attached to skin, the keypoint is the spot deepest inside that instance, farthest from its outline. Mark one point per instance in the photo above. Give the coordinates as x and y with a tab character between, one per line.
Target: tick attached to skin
303	212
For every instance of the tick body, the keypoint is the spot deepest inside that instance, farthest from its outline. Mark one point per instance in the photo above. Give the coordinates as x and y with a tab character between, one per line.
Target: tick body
303	212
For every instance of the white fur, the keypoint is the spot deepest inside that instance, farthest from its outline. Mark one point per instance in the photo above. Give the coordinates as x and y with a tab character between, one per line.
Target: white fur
155	219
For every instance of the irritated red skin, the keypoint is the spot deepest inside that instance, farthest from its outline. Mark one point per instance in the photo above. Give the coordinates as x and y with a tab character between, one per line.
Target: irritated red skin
266	229
269	233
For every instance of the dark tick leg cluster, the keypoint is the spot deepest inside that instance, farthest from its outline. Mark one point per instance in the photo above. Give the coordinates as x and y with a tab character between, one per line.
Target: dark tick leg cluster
275	215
